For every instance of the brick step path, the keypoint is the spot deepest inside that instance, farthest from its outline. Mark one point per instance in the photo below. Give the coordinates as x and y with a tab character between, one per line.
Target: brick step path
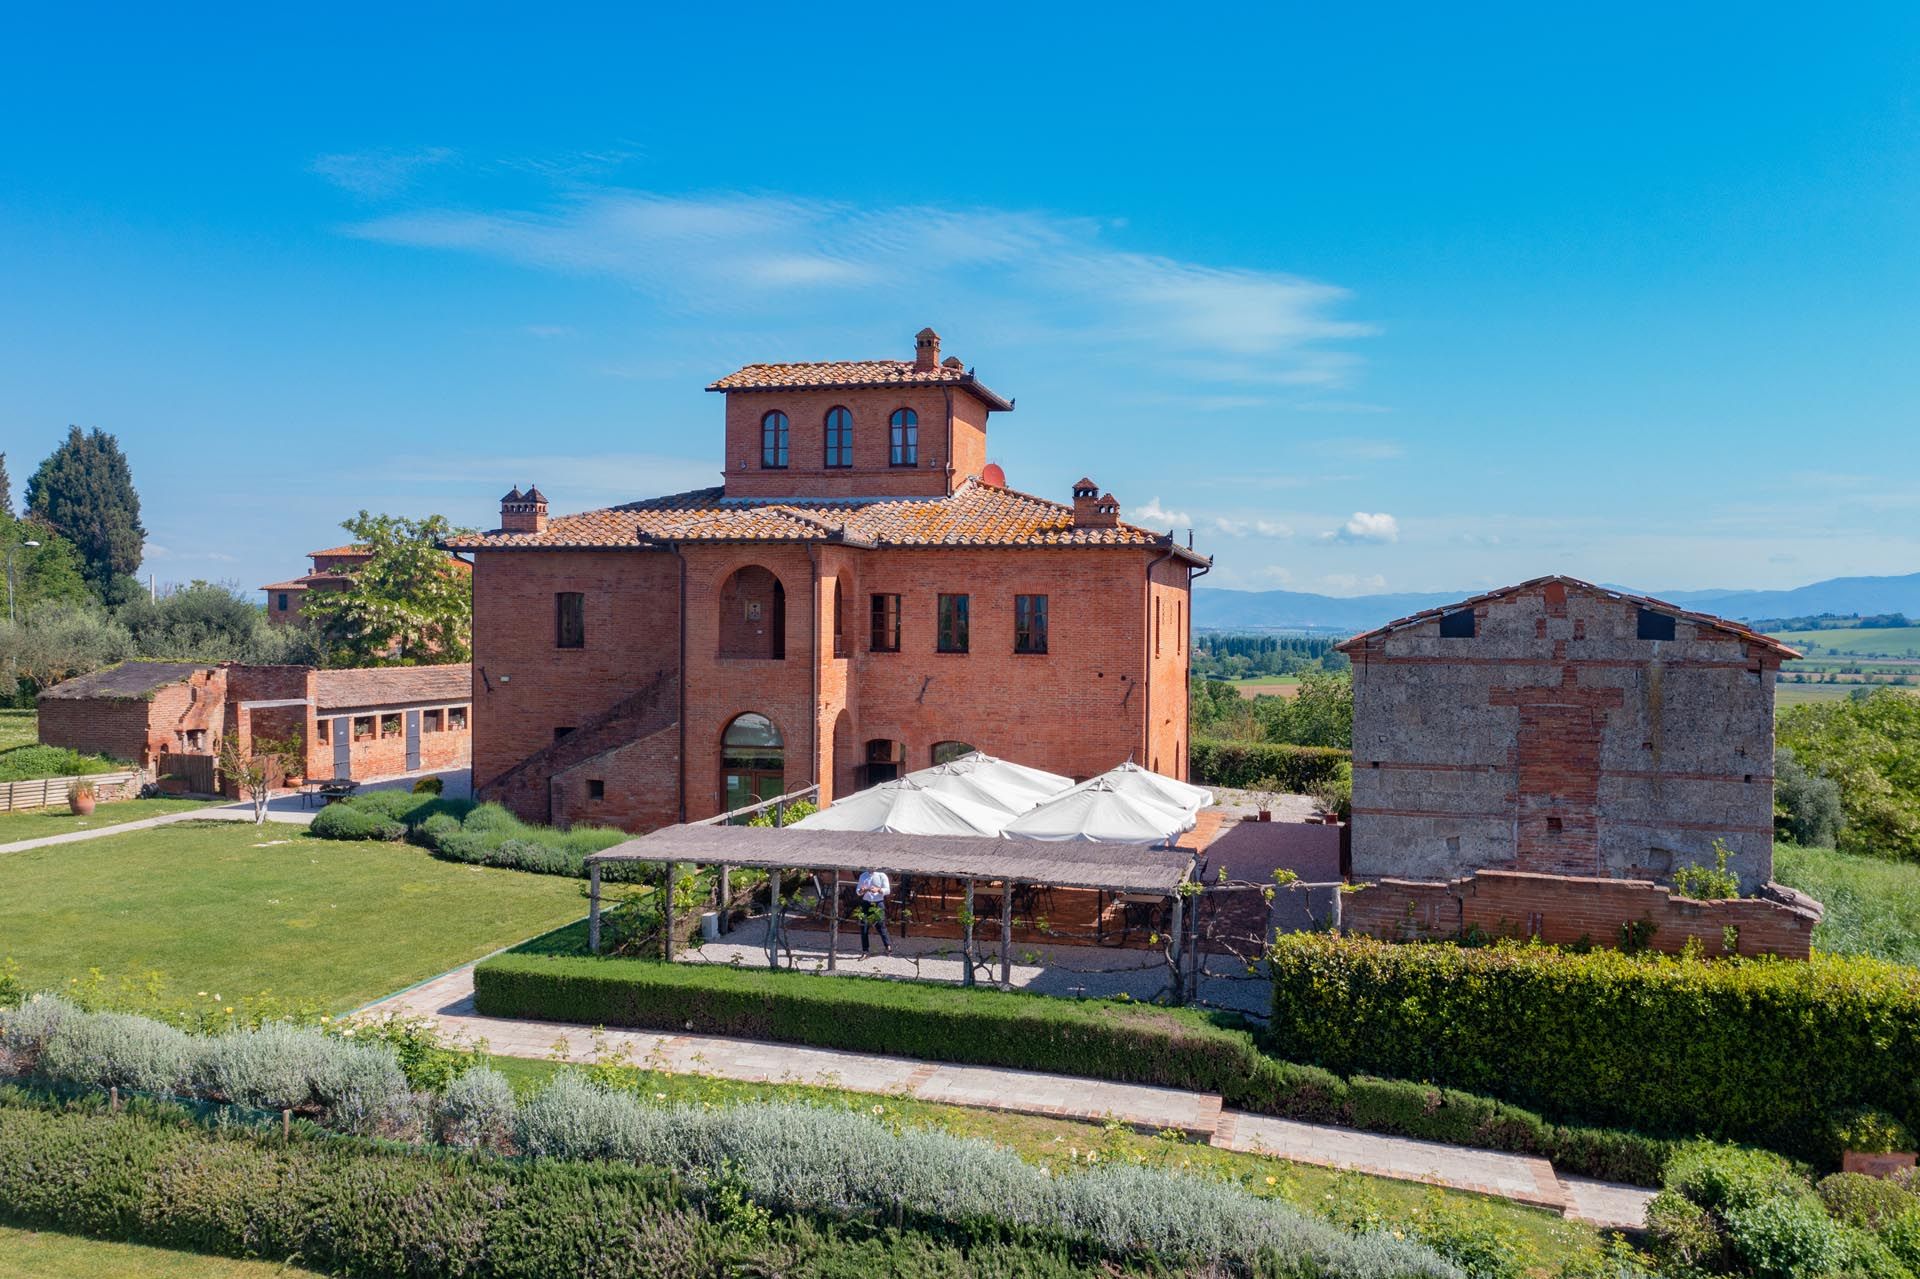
448	1001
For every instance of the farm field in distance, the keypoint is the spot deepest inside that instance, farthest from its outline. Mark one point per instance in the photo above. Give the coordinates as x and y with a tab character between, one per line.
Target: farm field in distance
1884	641
1268	686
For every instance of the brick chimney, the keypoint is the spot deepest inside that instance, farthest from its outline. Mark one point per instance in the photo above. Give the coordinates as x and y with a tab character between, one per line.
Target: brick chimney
523	512
1086	505
926	351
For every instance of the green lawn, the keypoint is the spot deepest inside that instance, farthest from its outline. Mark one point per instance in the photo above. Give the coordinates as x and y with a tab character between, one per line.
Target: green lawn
18	728
1064	1144
35	823
1873	906
36	1254
1888	641
233	907
1785	694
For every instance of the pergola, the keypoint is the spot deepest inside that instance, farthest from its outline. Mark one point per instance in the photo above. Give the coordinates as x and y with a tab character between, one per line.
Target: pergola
1143	869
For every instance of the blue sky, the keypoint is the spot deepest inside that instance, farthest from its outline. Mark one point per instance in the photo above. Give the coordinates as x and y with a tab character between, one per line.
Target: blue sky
1403	297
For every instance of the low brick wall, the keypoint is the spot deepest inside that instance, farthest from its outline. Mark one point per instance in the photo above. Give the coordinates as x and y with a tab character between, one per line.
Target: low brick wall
1566	910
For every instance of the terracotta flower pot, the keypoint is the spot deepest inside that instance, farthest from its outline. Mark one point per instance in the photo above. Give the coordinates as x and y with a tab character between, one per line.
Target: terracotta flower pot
1264	815
81	803
1876	1165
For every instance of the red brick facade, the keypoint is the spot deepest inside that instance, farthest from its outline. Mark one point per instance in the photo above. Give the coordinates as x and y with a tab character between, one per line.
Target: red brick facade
1567	910
759	599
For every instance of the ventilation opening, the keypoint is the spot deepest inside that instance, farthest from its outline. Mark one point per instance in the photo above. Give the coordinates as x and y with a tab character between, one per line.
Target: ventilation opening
596	789
1457	624
1655	626
1553	825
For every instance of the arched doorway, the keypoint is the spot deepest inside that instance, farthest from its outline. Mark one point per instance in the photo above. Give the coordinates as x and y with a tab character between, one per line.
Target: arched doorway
752	761
886	760
753	615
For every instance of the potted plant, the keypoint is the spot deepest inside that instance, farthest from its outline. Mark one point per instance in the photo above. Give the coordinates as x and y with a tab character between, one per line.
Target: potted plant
1262	794
1873	1142
80	797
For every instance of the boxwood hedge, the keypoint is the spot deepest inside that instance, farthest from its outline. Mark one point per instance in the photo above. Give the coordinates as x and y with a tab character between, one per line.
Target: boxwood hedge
1299	769
1101	1039
1754	1050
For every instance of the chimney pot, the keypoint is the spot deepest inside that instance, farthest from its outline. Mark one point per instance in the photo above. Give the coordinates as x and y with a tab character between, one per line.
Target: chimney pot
1090	510
524	512
926	351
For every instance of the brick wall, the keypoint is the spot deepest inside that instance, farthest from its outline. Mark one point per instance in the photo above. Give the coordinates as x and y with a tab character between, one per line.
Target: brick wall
114	727
1556	740
1564	910
1078	709
872	473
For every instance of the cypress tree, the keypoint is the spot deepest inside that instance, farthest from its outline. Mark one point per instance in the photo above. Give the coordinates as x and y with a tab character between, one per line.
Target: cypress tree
84	491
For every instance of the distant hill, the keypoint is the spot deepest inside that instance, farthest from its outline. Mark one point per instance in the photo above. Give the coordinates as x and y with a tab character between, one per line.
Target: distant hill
1224	610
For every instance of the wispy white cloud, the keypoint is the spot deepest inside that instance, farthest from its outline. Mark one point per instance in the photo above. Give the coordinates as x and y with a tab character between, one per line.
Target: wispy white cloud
1154	515
758	253
375	175
1251	527
1364	526
1353	584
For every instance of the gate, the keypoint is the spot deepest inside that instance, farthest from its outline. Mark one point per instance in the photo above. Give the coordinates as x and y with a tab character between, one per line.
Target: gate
343	746
413	741
196	771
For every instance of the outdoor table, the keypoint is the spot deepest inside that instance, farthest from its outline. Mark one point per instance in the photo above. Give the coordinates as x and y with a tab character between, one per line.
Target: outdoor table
337	788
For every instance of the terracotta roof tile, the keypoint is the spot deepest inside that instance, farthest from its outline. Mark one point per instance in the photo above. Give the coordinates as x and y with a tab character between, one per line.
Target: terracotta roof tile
341	550
852	374
976	514
392	686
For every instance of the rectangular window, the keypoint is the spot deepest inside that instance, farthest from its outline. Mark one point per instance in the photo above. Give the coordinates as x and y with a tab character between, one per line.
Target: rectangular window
433	722
390	725
559	733
885	637
1655	626
283	601
570	620
1457	624
596	788
1029	623
1156	627
457	719
322	732
953	624
1179	626
363	728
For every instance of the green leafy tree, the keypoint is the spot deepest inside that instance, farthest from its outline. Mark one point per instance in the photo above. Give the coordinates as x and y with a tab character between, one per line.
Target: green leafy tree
6	488
211	622
1870	748
59	641
84	491
407	603
1320	714
50	572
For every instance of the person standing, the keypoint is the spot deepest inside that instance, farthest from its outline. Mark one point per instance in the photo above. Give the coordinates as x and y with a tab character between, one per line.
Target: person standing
872	890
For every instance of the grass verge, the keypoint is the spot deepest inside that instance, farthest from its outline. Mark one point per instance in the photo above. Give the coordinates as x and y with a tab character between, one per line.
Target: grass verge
37	823
235	908
1873	906
42	1254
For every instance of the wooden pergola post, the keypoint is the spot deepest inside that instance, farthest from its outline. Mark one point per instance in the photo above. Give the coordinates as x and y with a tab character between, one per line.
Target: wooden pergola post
1173	944
666	911
593	907
966	937
833	925
773	918
1006	934
726	898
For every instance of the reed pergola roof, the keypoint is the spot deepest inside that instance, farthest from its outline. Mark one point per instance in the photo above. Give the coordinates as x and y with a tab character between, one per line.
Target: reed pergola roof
1123	868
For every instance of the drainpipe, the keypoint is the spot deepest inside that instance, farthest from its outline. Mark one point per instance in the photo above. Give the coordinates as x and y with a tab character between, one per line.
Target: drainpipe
1192	577
674	549
1146	740
813	665
948	392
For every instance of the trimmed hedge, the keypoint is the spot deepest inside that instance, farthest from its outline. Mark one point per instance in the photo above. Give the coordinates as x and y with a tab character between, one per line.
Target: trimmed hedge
1300	769
349	1207
384	814
1135	1043
1755	1050
492	836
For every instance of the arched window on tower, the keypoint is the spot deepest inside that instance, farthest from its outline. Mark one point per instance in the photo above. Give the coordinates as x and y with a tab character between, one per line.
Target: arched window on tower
839	438
773	441
904	431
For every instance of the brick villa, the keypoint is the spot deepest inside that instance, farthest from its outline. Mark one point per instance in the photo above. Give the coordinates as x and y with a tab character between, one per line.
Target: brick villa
862	595
332	569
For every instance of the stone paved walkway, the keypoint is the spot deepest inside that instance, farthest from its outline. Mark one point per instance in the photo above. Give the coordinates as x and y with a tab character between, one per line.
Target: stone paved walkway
448	1000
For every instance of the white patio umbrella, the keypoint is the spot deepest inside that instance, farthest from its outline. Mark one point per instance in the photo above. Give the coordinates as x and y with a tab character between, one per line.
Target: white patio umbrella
1099	812
1001	792
904	807
1005	773
1135	780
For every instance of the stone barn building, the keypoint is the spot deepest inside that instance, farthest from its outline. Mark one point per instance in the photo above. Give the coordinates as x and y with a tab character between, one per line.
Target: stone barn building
861	596
1554	732
1556	726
